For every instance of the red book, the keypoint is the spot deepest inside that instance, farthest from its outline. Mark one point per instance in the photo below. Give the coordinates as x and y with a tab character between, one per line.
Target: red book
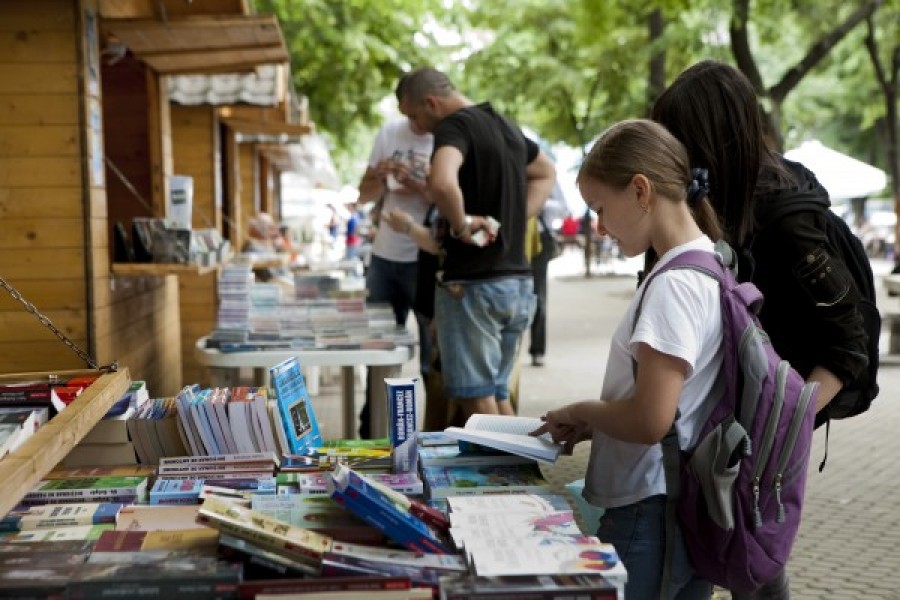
250	589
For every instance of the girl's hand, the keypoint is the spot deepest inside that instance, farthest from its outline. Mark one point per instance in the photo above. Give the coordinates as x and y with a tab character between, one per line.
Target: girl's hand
400	221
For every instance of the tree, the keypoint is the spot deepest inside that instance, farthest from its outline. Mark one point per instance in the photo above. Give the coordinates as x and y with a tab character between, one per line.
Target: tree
346	58
888	78
776	94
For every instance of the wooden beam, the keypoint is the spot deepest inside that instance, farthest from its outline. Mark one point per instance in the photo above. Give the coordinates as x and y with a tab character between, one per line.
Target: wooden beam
160	9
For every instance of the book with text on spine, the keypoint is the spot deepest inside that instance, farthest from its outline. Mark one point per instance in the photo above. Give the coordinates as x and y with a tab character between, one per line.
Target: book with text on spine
354	492
507	433
299	544
400	394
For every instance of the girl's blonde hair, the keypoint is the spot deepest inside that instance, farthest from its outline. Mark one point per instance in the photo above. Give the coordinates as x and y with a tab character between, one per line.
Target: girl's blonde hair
641	146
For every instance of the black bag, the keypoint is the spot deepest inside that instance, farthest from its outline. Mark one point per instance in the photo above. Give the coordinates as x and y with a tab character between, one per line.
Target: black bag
856	397
549	246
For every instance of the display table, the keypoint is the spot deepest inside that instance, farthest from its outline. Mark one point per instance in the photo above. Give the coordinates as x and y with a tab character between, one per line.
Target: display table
225	366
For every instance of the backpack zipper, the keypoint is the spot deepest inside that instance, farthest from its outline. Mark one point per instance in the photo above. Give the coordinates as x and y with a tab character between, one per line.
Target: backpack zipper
787	450
769	437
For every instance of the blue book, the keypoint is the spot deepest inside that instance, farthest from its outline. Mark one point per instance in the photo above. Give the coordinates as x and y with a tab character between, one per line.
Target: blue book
301	427
176	491
402	429
352	491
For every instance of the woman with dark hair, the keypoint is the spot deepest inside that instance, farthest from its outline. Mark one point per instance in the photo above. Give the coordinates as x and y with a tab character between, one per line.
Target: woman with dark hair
810	301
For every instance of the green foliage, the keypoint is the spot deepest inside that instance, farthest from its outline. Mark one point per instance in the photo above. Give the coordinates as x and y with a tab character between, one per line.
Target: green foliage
346	58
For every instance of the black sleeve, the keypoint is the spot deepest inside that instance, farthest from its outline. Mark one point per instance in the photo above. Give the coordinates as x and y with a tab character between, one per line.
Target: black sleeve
810	302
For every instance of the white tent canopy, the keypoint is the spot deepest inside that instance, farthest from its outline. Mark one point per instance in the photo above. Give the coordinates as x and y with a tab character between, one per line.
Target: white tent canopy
843	176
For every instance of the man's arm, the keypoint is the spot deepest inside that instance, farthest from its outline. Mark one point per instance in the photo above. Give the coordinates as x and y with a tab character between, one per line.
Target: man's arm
372	186
444	186
541	176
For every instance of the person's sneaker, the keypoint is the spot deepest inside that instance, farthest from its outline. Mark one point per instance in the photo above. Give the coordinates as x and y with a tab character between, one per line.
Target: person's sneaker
537	360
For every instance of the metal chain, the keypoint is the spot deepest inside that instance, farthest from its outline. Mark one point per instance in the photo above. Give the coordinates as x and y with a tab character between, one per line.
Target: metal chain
29	307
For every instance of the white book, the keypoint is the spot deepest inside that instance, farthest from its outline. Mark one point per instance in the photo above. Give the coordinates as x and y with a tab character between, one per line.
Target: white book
507	504
507	433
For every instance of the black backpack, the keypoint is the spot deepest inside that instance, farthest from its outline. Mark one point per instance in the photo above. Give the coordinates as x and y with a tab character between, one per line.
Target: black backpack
856	397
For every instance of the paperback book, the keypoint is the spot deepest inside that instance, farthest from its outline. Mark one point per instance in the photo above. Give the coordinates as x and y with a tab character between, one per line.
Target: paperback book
294	405
299	544
471	454
50	516
507	433
400	394
443	482
86	489
352	491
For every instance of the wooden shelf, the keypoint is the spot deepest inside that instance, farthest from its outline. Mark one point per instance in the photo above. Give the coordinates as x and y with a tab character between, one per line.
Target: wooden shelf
21	470
159	269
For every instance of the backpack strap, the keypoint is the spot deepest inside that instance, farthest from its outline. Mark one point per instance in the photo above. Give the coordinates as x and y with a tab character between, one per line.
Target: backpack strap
715	266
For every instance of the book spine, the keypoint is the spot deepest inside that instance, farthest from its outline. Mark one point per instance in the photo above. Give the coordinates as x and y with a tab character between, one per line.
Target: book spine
255	457
250	589
191	589
115	498
87	495
224	475
216	467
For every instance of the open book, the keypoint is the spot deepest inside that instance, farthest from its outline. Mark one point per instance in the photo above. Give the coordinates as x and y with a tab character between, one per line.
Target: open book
507	433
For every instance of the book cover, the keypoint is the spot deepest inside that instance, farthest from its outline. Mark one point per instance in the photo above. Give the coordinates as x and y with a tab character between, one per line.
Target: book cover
280	537
308	511
443	482
176	491
317	483
401	396
507	433
507	503
447	562
37	575
543	529
300	424
450	455
435	438
351	490
516	558
86	488
50	516
528	587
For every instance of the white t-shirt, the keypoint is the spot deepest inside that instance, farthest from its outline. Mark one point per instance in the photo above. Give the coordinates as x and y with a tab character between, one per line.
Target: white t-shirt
680	316
396	140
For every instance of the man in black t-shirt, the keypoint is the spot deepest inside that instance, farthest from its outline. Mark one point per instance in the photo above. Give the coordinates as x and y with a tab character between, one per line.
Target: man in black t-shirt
483	171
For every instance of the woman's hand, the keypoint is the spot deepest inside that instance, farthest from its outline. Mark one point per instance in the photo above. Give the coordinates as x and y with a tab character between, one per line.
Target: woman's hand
564	428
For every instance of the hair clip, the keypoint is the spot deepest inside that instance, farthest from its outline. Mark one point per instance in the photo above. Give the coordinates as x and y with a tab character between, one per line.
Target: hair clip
699	186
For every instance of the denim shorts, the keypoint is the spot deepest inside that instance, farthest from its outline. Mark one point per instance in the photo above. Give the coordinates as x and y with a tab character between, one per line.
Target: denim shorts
638	531
478	334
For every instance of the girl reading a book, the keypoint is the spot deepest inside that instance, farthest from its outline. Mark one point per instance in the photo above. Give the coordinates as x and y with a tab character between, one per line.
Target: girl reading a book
638	180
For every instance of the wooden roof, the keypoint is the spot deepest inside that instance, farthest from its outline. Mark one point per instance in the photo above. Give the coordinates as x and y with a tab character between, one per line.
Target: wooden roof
250	130
201	44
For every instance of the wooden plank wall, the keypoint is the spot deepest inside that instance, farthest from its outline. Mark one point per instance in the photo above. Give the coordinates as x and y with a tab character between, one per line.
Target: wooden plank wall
42	207
196	152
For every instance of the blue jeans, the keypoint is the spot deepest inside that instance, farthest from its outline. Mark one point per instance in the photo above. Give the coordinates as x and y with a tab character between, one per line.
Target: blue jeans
479	324
638	531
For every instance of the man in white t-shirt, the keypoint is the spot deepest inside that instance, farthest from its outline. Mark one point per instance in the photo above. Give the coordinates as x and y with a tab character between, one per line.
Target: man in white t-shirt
396	175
